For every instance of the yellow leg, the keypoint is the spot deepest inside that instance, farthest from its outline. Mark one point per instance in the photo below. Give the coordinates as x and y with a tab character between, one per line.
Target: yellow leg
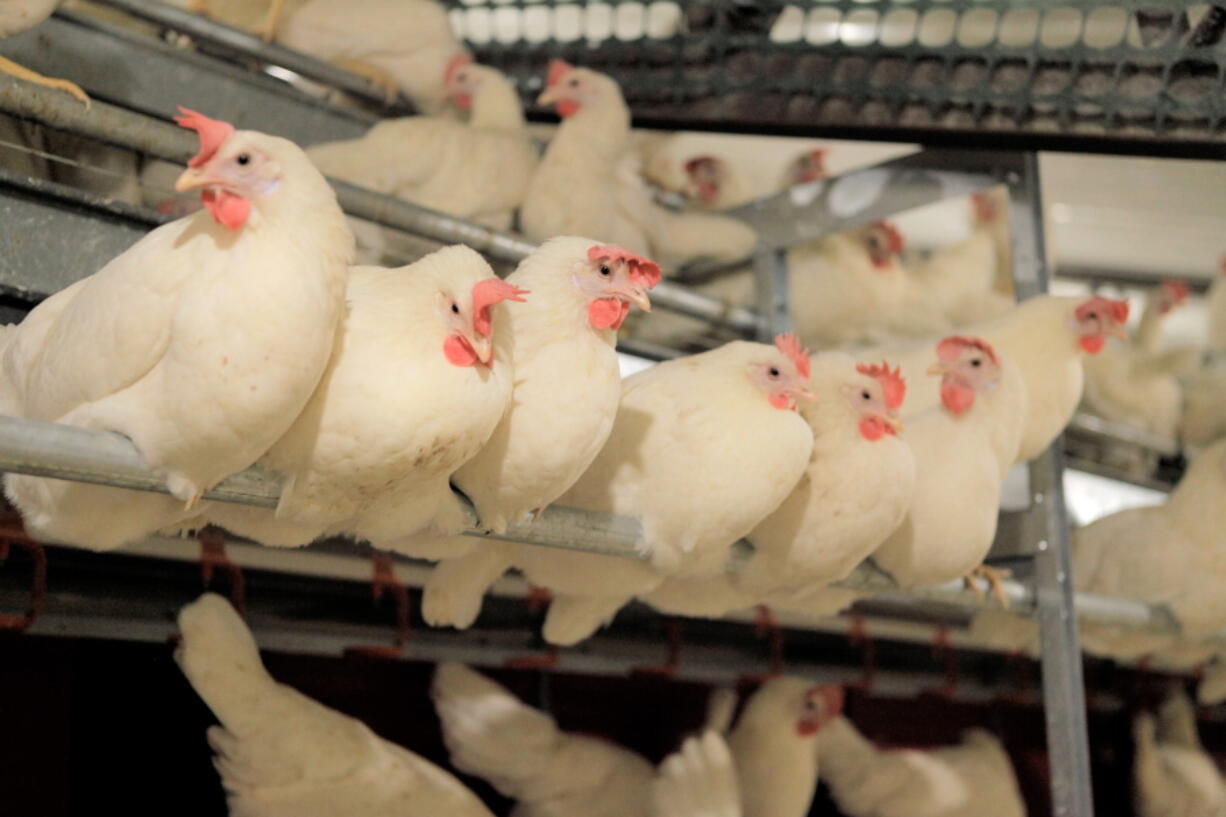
269	30
380	79
994	577
14	70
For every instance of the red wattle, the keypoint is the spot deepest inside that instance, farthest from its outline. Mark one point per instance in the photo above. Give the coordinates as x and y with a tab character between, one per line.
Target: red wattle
957	397
228	209
806	728
782	401
607	313
463	101
1092	344
708	191
567	108
872	429
458	351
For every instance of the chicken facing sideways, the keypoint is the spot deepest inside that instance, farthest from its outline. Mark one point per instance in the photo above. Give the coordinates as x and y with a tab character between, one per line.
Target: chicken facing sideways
1172	775
1170	554
589	183
415	388
971	779
201	343
551	773
17	16
962	452
281	754
565	395
443	163
702	448
1047	338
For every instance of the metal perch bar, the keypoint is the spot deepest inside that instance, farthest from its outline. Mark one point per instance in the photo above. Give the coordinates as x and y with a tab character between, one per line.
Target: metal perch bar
105	458
124	128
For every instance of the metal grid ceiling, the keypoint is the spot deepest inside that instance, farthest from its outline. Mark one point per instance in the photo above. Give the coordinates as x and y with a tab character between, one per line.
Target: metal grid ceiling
1122	75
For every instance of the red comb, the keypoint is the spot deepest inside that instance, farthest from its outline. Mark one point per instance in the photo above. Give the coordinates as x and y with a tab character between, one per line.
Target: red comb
1118	310
1177	289
643	271
487	293
213	133
893	386
455	64
985	206
897	244
695	162
952	346
557	70
789	344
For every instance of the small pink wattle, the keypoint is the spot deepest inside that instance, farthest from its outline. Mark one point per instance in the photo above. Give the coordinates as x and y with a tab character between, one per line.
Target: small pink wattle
458	351
806	728
1092	344
228	209
873	429
782	401
463	101
957	397
567	107
607	313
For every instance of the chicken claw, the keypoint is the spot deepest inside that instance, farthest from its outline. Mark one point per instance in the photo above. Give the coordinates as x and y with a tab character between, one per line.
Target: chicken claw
994	577
11	68
380	79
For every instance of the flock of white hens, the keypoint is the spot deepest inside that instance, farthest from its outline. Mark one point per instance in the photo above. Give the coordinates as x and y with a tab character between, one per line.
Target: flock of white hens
244	334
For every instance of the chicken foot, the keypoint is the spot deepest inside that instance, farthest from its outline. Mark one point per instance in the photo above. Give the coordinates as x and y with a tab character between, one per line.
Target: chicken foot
995	579
11	68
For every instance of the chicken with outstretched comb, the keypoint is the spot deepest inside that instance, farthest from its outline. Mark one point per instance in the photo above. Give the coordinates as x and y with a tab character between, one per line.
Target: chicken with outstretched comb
962	452
1173	775
416	387
565	394
201	343
282	754
1047	337
702	448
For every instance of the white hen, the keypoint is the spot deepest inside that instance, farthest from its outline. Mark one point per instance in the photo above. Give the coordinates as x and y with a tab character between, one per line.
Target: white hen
201	343
522	753
281	754
565	396
698	780
962	452
968	780
1172	774
413	391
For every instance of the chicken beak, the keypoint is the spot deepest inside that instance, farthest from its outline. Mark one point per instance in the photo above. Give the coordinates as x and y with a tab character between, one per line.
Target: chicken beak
802	393
940	368
631	294
483	347
192	179
1116	330
891	420
549	96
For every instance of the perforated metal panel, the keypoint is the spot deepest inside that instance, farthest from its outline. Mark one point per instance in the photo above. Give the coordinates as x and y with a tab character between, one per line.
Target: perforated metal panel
1132	75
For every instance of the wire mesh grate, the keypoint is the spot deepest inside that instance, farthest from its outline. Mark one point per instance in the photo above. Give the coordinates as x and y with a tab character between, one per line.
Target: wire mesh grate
1038	71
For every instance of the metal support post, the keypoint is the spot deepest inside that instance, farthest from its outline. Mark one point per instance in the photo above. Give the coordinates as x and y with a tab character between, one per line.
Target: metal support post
1063	688
770	269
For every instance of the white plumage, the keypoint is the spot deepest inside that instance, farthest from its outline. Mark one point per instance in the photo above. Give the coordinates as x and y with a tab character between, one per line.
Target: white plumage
1216	306
415	388
201	343
698	780
281	754
702	448
565	396
522	753
1173	776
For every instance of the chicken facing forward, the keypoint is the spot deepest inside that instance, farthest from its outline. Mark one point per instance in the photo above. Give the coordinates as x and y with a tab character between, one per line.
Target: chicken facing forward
962	452
281	754
201	343
968	780
17	16
415	388
1172	774
702	448
565	396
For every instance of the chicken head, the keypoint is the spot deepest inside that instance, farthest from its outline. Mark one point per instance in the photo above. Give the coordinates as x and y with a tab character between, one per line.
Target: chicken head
613	278
783	373
968	367
704	178
1096	319
468	320
883	242
878	403
568	88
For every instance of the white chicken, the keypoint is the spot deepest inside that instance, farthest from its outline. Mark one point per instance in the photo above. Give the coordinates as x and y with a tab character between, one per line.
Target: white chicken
440	162
201	343
1170	554
589	182
856	490
281	754
17	16
1172	774
1203	420
525	756
698	780
969	780
565	396
848	287
415	388
707	181
1047	338
962	452
702	448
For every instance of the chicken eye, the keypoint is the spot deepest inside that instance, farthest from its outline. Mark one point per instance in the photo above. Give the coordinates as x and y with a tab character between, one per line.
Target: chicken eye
455	309
574	83
809	705
243	158
605	271
976	362
866	395
773	371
